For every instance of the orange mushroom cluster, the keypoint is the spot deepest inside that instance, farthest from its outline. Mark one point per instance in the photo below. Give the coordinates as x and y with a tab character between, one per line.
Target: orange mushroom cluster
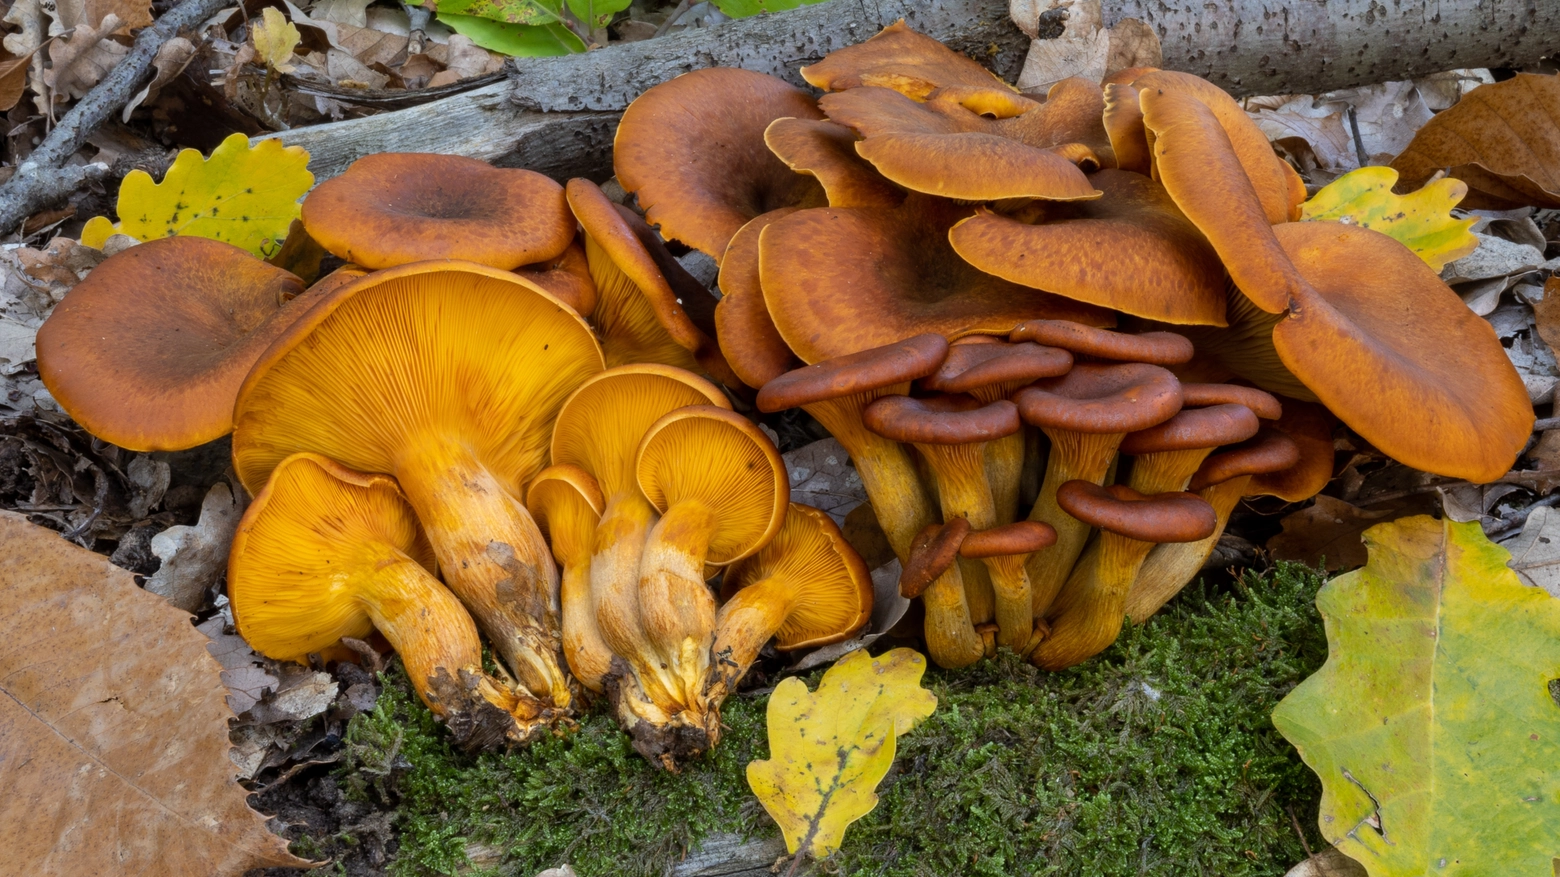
1037	324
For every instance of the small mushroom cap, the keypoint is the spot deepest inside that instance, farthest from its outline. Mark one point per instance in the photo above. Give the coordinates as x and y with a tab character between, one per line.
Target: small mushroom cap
832	586
720	458
567	504
1310	426
567	277
1019	537
1194	428
1132	251
1163	517
1262	403
971	366
692	150
1268	451
392	208
148	352
899	58
839	280
874	369
932	552
944	419
1123	118
827	152
1369	337
748	337
1102	399
599	426
1158	348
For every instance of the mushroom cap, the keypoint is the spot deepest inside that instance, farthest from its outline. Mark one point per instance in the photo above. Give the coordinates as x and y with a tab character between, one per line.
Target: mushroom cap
1157	348
566	276
832	585
433	351
1123	118
944	419
932	552
1019	537
313	534
1310	426
1268	451
827	152
1193	429
748	337
899	58
838	280
148	351
1102	399
1369	337
692	150
1163	517
392	208
599	426
1132	251
567	504
874	369
721	459
971	366
1262	403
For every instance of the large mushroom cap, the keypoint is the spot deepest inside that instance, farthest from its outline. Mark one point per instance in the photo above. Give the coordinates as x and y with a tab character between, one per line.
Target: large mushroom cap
1371	342
841	280
392	208
1164	517
971	366
1132	251
1193	429
1123	118
945	419
827	152
1102	399
874	369
148	351
899	58
1157	348
1267	452
748	337
692	150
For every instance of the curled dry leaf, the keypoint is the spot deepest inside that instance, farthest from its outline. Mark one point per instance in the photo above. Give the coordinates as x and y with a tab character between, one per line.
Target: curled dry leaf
822	476
172	57
1328	531
110	694
80	60
193	557
1086	47
1328	863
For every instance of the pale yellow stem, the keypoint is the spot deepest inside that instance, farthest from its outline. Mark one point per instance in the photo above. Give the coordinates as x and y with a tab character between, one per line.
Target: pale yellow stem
1075	456
1170	567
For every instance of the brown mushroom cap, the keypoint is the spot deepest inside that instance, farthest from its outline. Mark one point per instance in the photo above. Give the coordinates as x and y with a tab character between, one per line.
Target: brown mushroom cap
567	277
692	150
1371	339
840	280
1132	251
873	369
148	352
748	337
1019	537
899	58
827	151
1102	399
1263	404
1157	348
932	552
1310	426
392	208
973	366
945	419
1164	517
1193	429
1123	118
1268	451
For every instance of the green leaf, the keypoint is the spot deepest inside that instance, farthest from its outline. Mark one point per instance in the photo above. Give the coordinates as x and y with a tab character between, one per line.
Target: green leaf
536	13
1431	725
1421	220
745	8
519	40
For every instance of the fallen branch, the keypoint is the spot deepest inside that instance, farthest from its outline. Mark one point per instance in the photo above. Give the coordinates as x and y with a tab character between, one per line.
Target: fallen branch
42	180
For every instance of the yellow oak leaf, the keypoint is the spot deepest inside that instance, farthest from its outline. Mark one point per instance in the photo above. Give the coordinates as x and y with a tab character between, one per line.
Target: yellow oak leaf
275	39
830	748
246	197
1421	220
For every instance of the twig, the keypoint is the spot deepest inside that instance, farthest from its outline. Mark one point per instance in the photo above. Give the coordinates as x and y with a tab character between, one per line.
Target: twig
1519	520
1296	823
671	19
1546	423
41	180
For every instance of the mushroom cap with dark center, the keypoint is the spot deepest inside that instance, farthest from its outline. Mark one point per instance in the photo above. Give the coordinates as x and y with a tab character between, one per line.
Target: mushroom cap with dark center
972	366
148	352
747	335
839	280
1019	537
1268	451
932	552
1163	517
1310	426
692	150
827	151
885	366
1132	251
899	58
1194	428
1262	403
944	419
392	208
1157	348
1102	399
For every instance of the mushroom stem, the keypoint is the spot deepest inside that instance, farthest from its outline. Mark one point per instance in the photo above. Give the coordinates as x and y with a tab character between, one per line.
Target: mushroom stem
583	646
1172	565
614	588
1004	472
1075	456
1087	617
951	640
887	472
747	621
964	492
1166	471
676	606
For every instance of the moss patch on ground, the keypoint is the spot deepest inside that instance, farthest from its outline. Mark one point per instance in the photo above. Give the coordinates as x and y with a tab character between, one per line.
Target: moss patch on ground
1156	758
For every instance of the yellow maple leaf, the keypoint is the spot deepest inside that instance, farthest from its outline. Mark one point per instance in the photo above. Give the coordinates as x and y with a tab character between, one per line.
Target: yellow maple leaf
1421	220
246	197
830	748
275	38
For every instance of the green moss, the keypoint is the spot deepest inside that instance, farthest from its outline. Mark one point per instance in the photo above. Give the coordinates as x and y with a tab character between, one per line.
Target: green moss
1156	758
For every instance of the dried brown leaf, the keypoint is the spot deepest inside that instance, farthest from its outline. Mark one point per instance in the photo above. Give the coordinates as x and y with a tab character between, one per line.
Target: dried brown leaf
1329	530
172	57
82	59
1546	313
120	713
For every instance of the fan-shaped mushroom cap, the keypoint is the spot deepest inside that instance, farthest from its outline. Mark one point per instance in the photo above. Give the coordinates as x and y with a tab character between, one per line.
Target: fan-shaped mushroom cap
899	58
827	152
339	277
1131	251
567	505
692	150
1019	537
934	550
902	279
567	277
1123	118
1194	429
748	337
1270	450
392	208
1374	316
1102	399
878	367
1263	404
1310	426
944	419
1157	348
974	366
1165	517
148	351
